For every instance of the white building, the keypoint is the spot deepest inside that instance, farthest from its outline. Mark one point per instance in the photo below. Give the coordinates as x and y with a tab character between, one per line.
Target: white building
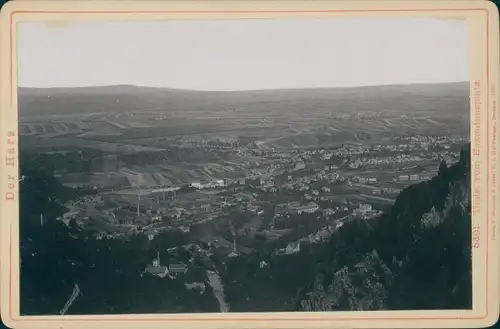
403	178
308	208
363	209
185	229
211	184
195	285
414	177
196	185
219	183
177	268
292	248
300	165
156	268
328	212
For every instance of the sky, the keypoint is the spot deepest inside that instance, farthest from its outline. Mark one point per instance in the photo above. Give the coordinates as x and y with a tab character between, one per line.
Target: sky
246	54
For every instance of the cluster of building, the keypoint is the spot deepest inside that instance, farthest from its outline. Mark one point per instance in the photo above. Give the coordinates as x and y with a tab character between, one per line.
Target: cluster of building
315	181
432	140
172	270
295	208
366	211
397	145
364	180
211	184
327	175
413	177
320	236
399	159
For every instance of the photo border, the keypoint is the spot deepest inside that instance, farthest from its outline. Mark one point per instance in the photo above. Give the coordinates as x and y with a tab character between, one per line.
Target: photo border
486	158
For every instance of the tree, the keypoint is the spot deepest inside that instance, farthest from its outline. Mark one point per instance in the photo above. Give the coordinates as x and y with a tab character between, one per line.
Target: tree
108	271
442	167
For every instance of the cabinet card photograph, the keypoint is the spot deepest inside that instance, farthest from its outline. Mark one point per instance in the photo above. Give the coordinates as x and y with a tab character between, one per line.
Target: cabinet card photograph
249	164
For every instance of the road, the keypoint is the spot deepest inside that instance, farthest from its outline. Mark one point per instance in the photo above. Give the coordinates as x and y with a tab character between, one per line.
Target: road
371	187
377	198
72	298
218	288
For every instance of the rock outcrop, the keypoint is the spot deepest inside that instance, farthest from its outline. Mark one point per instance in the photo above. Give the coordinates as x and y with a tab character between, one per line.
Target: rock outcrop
416	256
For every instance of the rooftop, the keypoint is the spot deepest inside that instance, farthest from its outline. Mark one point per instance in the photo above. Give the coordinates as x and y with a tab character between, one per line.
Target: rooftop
177	268
159	270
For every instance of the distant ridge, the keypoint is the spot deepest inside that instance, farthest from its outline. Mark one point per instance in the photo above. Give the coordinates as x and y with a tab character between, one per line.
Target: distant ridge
128	98
127	87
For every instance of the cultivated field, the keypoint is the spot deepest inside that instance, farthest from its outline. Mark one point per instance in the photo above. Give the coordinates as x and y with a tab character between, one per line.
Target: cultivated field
283	118
127	120
162	175
176	175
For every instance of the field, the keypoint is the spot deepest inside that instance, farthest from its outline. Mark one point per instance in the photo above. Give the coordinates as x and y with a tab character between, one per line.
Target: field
283	118
128	120
65	143
277	133
161	175
175	175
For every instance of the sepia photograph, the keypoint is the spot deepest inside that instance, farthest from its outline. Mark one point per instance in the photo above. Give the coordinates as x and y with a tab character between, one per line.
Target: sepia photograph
247	166
256	165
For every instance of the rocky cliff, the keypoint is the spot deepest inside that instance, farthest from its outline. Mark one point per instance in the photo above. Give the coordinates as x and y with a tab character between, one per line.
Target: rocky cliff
416	256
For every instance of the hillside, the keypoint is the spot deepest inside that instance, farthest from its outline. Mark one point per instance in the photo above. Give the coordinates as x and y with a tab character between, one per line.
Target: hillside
54	258
416	256
38	101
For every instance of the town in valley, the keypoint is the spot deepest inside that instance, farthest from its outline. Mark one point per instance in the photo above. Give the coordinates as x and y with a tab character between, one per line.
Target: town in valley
228	194
306	177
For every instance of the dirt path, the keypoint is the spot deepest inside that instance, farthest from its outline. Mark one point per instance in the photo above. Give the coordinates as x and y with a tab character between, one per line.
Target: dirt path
218	288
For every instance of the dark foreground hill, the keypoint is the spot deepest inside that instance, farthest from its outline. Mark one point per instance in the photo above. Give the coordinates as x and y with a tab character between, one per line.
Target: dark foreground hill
448	97
416	256
108	272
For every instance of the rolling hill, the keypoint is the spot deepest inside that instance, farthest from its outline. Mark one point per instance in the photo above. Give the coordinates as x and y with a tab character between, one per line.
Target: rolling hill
394	98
